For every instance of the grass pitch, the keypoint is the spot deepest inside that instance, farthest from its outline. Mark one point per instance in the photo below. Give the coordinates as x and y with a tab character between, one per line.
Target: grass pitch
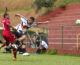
6	59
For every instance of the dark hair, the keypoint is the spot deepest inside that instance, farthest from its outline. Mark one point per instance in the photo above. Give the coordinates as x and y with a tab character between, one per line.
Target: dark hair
32	18
5	14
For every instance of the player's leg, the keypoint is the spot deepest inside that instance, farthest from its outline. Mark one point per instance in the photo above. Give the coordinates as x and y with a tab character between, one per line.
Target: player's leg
38	48
4	43
38	51
43	50
18	35
6	36
21	47
22	38
14	53
11	38
14	47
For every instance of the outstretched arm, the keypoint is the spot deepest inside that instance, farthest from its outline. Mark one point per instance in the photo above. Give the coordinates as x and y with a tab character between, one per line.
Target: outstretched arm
22	18
18	15
46	22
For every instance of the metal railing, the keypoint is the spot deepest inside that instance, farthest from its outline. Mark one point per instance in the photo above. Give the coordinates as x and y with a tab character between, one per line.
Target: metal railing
53	36
69	34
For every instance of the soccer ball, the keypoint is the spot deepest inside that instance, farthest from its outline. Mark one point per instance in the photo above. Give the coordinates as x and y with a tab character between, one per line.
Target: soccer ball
26	54
77	21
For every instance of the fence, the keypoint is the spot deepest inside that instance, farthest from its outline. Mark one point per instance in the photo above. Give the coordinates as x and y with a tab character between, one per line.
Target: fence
31	37
29	40
65	37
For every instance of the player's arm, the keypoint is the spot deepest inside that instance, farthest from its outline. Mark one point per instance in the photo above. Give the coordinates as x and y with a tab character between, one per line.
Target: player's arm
18	15
10	26
46	22
40	47
23	19
38	23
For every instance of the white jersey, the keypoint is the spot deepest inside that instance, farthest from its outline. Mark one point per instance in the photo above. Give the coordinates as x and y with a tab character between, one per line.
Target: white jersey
44	44
24	25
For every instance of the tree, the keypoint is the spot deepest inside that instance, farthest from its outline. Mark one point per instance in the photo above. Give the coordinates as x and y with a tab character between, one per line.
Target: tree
43	3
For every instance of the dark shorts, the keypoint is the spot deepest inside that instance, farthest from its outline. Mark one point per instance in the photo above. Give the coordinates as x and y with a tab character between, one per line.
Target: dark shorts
44	48
17	34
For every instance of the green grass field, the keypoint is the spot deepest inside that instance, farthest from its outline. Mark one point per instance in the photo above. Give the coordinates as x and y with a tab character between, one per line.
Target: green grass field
6	59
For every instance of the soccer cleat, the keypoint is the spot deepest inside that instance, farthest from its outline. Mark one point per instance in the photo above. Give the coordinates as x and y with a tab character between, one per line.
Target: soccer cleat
0	47
14	59
36	53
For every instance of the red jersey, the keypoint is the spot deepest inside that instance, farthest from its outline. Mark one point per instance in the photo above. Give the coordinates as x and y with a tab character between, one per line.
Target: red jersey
5	26
8	36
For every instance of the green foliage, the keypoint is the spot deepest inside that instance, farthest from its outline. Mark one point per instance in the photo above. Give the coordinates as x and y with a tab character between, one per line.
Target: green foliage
52	52
48	51
43	3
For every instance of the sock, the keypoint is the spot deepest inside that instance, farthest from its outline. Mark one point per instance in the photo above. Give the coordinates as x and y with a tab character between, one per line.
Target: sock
14	52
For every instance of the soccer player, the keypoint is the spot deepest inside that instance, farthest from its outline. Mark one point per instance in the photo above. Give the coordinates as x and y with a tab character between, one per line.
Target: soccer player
7	35
24	26
42	47
41	43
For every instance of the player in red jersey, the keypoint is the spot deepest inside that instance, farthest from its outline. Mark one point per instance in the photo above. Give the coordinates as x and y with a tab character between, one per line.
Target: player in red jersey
7	35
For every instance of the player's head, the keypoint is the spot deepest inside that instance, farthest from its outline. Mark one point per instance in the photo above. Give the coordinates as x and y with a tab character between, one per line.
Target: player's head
31	20
6	15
